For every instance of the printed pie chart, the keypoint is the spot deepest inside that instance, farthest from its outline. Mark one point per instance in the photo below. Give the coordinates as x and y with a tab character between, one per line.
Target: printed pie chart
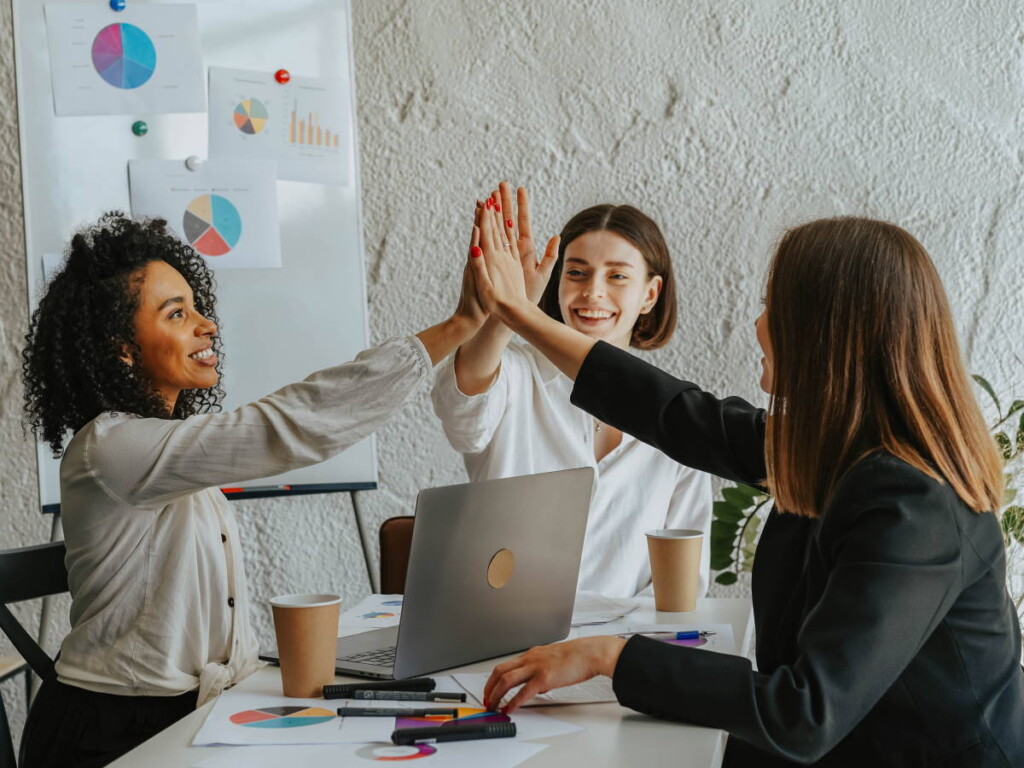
388	752
282	717
212	225
251	116
123	55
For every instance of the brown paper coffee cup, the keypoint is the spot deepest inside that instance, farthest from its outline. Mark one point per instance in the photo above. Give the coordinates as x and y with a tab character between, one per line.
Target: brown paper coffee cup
307	636
675	568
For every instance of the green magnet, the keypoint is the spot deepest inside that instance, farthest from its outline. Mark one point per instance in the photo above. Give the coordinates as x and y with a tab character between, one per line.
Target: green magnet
139	128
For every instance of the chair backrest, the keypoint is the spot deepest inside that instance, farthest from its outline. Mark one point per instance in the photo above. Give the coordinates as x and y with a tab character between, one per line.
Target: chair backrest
27	573
6	742
395	543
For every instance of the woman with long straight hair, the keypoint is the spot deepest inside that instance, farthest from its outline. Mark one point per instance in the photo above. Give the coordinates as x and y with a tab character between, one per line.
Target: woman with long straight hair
885	633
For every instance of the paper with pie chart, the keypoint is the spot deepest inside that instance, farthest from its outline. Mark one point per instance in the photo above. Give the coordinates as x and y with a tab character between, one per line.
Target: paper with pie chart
144	59
493	753
226	209
305	124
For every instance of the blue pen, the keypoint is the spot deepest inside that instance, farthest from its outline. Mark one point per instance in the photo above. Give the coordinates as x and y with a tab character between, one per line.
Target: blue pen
692	634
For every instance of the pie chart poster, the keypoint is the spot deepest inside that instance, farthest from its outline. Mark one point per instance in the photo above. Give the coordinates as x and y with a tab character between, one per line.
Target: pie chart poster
144	59
226	209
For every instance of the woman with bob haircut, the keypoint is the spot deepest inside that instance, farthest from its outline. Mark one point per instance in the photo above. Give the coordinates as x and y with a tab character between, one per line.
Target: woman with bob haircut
123	355
885	633
506	408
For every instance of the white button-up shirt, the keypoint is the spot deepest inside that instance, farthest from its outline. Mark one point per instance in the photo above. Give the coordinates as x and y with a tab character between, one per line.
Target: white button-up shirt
525	424
159	600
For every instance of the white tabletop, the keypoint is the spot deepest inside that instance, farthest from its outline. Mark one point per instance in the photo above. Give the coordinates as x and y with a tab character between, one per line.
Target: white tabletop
612	735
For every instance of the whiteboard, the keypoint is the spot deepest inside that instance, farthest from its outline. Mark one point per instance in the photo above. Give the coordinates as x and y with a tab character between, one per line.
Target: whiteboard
277	325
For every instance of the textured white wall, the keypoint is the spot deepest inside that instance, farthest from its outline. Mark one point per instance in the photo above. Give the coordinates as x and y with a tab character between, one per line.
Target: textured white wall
727	121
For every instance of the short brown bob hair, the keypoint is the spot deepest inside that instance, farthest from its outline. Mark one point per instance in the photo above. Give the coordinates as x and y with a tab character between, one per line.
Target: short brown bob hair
866	358
654	329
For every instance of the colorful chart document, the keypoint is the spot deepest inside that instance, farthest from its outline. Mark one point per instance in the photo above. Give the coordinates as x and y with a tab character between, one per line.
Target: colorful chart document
493	753
226	210
373	612
304	124
144	59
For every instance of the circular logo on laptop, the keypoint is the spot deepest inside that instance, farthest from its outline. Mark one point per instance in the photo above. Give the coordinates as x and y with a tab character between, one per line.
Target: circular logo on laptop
501	567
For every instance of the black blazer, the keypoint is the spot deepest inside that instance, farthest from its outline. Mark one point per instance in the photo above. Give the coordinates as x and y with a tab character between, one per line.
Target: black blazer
885	634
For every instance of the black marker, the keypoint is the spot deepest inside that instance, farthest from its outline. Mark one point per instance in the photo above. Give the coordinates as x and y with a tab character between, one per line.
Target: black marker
410	736
407	695
344	691
395	712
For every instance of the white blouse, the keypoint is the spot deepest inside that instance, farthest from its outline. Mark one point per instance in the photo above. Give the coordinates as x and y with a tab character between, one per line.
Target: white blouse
525	424
159	600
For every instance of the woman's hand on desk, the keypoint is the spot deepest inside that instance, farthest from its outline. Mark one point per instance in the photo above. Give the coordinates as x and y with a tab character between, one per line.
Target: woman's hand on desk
552	666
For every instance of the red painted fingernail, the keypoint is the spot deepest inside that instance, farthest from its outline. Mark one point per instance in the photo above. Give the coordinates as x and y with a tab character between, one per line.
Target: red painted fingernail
497	206
477	253
490	203
508	223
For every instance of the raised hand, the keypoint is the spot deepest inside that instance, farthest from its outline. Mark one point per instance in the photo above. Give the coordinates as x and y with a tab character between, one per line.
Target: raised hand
536	273
469	307
499	273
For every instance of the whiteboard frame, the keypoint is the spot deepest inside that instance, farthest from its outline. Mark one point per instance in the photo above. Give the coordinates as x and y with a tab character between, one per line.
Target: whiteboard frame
29	30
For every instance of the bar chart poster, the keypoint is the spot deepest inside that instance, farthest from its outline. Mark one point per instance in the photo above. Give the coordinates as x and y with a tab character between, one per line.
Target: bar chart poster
144	59
225	209
302	124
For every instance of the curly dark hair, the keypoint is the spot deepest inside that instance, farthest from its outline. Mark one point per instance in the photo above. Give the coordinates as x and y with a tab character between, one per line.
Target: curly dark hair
72	364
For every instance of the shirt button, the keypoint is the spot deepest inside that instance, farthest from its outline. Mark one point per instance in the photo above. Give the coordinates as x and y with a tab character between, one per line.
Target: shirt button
223	538
231	602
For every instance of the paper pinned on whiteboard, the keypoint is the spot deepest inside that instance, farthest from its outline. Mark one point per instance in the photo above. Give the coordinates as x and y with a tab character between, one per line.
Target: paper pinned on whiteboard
226	210
145	58
303	124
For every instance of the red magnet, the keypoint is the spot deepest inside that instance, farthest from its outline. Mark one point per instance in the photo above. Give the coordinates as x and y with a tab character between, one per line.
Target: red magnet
282	76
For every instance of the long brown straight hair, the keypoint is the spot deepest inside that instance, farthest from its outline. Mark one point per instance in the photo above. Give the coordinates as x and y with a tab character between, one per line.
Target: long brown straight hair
866	358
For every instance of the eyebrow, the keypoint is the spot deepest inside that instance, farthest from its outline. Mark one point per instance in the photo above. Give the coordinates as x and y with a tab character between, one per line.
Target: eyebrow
174	300
620	264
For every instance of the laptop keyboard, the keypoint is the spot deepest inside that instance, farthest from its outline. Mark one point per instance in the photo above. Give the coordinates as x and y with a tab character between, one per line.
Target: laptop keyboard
377	657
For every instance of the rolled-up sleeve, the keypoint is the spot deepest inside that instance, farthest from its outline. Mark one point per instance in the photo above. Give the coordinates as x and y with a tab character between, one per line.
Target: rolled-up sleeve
470	421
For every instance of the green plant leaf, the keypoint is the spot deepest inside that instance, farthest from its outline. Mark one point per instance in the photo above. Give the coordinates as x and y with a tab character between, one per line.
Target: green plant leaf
720	564
1005	446
750	534
726	578
1009	495
1013	523
726	512
988	388
1020	434
1016	405
721	547
737	497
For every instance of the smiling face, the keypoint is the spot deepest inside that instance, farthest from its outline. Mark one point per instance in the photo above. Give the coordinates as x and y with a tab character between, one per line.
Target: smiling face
605	287
175	340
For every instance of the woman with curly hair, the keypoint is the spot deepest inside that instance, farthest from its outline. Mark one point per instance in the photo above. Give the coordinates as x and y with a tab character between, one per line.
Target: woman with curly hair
123	358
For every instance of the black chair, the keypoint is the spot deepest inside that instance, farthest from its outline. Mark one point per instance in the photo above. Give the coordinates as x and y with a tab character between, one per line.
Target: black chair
26	574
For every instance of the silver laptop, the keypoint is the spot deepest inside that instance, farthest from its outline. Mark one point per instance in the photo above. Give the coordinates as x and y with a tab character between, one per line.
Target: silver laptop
492	571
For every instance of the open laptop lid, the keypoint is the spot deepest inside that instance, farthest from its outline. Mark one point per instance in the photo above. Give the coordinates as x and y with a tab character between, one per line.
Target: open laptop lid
493	568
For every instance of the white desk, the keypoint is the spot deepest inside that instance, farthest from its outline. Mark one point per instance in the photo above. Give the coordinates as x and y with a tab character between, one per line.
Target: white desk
613	735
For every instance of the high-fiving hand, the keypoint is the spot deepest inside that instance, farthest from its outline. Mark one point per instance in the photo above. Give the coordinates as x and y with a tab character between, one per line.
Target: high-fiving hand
505	267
